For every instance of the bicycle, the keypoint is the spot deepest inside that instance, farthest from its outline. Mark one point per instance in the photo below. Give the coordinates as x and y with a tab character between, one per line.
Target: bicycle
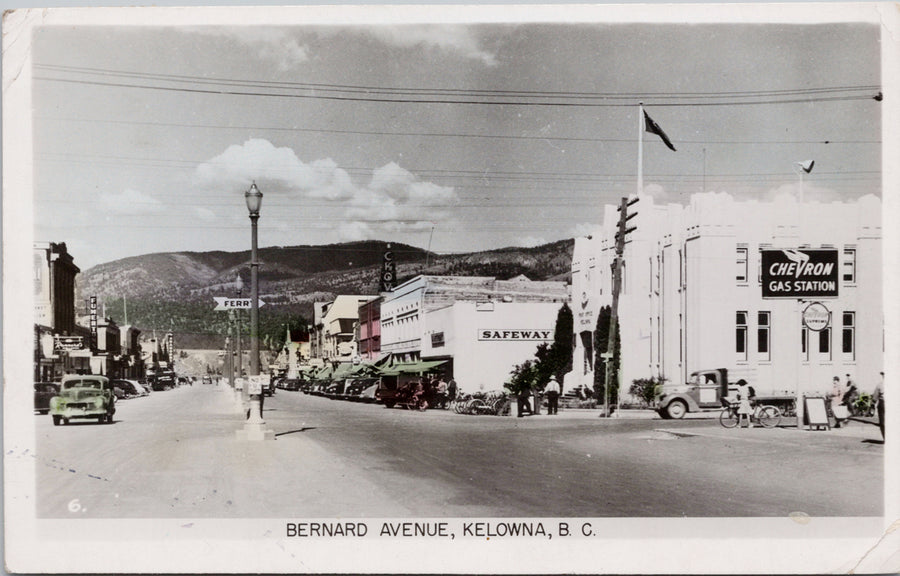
764	415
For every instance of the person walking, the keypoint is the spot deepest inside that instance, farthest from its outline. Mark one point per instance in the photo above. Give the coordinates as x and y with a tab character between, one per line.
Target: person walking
522	402
835	401
744	408
878	398
452	390
552	391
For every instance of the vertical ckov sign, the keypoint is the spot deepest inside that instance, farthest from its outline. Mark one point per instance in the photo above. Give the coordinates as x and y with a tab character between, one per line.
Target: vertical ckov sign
800	273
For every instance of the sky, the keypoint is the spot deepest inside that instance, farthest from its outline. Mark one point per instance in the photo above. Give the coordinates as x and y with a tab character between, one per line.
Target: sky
454	137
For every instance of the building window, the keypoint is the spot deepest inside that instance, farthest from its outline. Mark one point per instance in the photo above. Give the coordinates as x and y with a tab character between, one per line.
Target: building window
741	260
825	342
848	266
740	346
437	339
763	321
804	344
848	335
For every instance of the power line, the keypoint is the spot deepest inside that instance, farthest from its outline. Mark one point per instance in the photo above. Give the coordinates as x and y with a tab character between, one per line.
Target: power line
443	134
563	100
431	91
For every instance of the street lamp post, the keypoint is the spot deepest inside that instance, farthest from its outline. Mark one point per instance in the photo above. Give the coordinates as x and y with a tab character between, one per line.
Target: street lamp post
254	428
239	290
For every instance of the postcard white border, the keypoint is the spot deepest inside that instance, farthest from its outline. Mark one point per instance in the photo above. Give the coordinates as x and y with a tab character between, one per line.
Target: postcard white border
813	545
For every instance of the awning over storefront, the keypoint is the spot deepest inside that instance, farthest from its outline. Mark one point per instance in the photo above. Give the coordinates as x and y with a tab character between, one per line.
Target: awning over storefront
411	367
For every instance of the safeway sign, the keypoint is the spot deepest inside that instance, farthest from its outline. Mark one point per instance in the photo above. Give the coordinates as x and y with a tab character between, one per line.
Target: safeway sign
800	273
234	303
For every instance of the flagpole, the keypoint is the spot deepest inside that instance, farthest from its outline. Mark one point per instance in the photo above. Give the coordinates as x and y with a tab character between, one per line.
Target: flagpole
640	178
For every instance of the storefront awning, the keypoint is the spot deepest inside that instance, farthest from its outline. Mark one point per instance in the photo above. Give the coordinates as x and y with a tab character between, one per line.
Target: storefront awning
411	367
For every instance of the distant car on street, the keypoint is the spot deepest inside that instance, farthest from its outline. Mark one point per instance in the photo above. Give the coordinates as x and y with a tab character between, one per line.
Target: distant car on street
83	396
43	392
207	379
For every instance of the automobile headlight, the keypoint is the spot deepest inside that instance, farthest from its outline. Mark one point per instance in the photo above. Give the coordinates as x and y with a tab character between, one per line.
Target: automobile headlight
98	402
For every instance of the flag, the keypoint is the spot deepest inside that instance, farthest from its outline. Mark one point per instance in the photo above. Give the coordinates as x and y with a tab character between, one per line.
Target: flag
653	127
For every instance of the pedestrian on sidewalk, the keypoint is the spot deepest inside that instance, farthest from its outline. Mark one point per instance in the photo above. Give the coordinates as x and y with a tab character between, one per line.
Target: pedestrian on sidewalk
452	389
523	404
835	402
878	398
552	391
744	408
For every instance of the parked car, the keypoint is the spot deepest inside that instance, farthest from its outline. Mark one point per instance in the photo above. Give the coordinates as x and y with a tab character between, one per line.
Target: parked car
120	392
43	392
83	396
291	384
207	379
130	388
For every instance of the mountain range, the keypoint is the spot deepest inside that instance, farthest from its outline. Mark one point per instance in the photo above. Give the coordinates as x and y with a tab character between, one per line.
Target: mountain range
174	291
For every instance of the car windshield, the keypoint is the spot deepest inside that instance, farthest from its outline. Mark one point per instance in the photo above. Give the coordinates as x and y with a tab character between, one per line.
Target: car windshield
83	384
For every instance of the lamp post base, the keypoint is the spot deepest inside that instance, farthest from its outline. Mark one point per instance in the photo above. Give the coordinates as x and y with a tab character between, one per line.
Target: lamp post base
255	427
254	433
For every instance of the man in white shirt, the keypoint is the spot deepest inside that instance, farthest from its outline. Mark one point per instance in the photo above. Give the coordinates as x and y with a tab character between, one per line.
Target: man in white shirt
552	391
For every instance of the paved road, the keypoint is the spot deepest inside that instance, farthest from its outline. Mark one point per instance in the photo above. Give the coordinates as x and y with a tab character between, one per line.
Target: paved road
174	454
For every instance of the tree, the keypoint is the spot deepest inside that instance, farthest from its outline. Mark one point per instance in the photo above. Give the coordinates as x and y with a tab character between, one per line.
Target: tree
646	389
601	346
563	348
549	360
522	377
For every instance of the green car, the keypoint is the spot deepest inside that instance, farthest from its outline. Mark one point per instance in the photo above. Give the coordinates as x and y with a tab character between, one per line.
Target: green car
83	396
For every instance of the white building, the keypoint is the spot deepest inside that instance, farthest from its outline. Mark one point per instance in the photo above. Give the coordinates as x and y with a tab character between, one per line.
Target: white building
480	327
692	293
338	327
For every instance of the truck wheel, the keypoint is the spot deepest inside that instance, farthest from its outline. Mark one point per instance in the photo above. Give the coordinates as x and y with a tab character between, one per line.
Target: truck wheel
388	404
56	420
676	409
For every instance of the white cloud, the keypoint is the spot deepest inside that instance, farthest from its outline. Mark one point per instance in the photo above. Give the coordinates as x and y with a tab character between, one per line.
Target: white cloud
394	200
130	201
791	192
455	39
281	169
657	192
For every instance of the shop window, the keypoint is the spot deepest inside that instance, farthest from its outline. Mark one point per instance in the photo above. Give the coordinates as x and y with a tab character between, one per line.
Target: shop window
848	266
763	335
825	343
741	261
848	335
740	346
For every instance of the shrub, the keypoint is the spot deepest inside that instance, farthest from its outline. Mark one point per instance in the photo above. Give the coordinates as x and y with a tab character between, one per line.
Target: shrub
647	390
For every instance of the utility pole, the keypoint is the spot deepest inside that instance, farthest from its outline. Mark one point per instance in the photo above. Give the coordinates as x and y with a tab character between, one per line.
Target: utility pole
624	229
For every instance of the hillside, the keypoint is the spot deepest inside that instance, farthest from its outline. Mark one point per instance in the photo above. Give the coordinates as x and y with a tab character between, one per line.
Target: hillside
175	291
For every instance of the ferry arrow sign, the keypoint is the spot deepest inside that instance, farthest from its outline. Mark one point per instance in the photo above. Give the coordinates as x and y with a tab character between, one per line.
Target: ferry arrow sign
235	303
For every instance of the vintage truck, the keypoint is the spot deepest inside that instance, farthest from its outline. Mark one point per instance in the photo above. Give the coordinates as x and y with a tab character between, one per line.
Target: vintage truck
709	389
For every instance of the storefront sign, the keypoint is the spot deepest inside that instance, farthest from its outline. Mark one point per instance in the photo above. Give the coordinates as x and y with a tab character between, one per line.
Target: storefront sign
93	322
507	334
799	273
816	317
68	343
255	383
